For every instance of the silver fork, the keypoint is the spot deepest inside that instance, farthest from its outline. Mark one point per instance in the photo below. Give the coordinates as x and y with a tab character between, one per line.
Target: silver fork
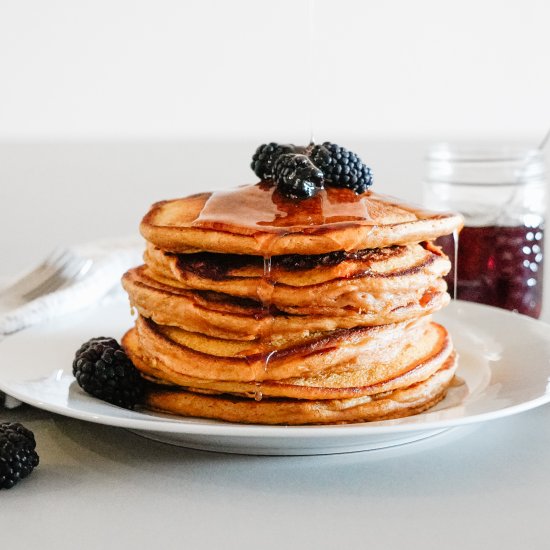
57	270
60	268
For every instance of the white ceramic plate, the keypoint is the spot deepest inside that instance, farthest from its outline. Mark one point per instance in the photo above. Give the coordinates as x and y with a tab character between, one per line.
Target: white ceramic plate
504	363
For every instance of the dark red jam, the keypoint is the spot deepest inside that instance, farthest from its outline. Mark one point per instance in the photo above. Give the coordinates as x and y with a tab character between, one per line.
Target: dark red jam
499	266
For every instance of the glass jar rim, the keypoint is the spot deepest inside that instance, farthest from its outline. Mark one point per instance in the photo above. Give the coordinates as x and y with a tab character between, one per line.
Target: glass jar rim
482	164
483	153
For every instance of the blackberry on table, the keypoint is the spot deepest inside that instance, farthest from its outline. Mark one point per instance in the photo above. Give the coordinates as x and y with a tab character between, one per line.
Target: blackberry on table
341	167
263	160
102	369
297	177
18	456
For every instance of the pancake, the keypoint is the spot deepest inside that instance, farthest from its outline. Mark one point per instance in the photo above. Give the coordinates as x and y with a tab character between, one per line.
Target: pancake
382	352
223	316
340	382
257	220
293	269
401	402
379	283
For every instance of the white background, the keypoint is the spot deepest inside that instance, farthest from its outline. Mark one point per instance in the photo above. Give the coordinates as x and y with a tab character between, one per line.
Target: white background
175	69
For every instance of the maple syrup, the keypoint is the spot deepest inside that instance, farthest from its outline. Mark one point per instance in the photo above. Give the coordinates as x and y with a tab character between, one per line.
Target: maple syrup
262	208
265	294
250	209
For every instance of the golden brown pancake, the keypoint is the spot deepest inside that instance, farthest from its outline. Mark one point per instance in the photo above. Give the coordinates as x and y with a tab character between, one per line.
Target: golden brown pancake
257	220
294	269
383	282
224	316
375	353
401	402
340	382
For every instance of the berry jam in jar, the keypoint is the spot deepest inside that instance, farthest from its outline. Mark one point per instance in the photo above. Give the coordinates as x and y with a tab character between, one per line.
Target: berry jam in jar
501	193
499	266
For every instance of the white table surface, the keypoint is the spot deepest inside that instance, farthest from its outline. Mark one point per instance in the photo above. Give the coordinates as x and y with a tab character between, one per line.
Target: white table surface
485	486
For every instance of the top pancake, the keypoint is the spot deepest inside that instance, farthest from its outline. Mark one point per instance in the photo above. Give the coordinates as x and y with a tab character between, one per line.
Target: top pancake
258	220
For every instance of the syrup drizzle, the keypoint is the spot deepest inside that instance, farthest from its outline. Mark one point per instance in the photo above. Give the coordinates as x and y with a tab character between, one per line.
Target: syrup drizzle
455	264
250	209
265	292
261	208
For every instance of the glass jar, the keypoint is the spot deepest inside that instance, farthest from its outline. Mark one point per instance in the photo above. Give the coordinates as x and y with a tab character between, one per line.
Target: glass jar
501	192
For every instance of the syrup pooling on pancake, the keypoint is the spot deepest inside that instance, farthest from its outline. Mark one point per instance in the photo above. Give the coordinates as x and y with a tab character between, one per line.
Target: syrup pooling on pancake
262	207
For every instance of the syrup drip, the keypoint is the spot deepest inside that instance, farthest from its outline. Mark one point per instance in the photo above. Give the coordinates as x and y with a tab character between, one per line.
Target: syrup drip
265	291
455	264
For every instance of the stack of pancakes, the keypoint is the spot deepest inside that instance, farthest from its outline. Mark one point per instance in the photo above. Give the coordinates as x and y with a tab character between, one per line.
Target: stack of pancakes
255	308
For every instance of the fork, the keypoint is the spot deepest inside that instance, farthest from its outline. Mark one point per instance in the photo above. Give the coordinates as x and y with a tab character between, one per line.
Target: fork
61	267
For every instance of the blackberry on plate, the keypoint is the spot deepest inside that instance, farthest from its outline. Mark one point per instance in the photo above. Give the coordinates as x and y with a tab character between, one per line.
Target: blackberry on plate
18	456
263	160
102	369
297	177
341	167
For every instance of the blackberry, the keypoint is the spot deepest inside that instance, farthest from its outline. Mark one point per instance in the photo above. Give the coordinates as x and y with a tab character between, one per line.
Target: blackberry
102	369
18	457
297	177
263	160
341	167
